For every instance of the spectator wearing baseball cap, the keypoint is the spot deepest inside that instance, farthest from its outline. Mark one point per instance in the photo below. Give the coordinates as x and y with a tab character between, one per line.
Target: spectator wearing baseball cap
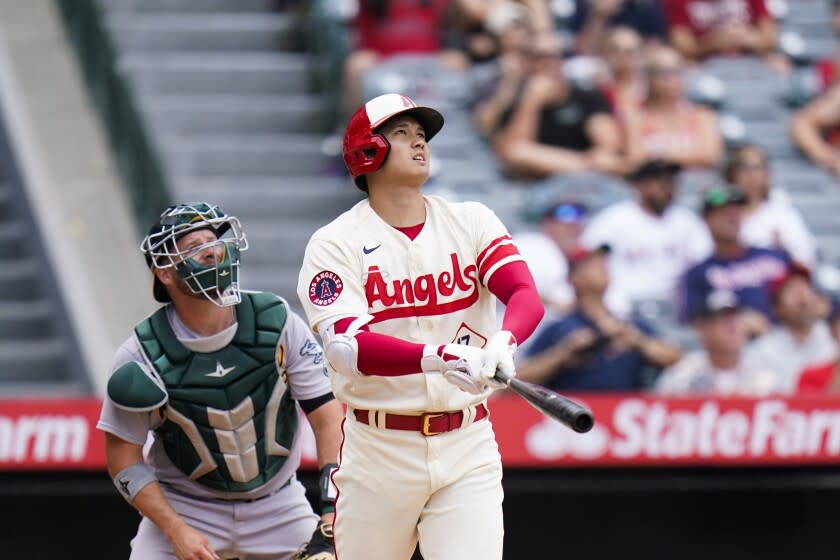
733	266
653	240
546	251
719	367
801	344
591	349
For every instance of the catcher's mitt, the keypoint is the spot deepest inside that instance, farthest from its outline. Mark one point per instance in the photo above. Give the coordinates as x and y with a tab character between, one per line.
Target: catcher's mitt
321	546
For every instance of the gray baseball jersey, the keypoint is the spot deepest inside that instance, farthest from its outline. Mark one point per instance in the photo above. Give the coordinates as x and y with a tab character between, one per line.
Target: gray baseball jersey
304	369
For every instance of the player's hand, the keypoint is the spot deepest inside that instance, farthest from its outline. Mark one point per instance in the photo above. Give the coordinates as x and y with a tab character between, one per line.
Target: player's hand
460	365
498	355
189	544
321	546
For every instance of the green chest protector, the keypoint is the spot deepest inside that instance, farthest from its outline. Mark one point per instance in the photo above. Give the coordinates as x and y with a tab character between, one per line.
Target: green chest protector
229	421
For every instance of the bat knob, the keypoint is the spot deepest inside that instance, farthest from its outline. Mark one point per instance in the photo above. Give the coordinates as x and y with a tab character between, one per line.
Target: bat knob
583	422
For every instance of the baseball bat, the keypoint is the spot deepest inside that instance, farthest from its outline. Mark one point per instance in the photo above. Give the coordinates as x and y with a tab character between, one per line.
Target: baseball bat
567	412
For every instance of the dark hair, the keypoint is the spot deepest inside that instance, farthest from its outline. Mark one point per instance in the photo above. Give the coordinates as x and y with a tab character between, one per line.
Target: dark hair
733	158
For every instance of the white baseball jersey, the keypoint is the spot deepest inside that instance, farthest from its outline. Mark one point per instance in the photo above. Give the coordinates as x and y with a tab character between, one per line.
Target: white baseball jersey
649	252
777	224
430	290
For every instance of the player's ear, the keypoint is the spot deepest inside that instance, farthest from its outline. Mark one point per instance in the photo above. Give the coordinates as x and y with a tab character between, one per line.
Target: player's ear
165	276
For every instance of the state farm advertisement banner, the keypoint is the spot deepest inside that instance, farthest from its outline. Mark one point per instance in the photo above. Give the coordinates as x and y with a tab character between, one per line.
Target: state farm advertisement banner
629	431
641	431
51	434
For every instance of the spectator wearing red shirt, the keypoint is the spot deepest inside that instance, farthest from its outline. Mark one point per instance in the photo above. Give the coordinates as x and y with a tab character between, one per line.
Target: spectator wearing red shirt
702	28
391	27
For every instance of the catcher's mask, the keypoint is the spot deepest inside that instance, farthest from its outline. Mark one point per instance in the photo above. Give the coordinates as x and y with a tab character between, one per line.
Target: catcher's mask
218	281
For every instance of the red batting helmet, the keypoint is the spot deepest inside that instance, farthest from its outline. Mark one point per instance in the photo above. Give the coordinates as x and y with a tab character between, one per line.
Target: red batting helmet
364	150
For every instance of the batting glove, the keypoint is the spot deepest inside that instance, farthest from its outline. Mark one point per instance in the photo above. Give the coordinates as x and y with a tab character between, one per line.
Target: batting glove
498	355
460	365
321	546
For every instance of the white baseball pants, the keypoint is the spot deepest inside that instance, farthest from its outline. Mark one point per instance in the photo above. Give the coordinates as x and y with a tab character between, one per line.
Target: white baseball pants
397	487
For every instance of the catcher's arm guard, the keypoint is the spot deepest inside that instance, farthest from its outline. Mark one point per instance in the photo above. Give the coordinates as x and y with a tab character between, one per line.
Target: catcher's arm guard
321	546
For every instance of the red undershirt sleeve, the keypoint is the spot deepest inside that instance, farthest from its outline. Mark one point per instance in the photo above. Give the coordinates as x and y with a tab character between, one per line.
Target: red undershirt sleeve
380	354
514	286
389	356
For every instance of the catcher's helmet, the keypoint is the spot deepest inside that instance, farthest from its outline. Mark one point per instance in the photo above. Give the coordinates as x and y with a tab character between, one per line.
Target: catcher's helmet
219	281
364	150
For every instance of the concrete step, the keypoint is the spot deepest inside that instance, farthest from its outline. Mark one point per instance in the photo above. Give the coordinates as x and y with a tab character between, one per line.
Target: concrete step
280	198
188	6
8	208
13	241
33	360
208	114
20	320
212	32
219	73
278	242
19	280
291	155
273	278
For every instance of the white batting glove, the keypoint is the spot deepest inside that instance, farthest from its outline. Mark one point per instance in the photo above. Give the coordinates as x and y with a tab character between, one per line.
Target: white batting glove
460	365
498	354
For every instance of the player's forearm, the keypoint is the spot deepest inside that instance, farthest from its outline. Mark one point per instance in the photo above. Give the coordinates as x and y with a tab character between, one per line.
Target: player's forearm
514	286
152	503
150	500
326	425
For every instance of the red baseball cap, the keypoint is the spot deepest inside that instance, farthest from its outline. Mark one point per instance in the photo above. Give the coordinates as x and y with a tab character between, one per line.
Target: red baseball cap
580	253
794	270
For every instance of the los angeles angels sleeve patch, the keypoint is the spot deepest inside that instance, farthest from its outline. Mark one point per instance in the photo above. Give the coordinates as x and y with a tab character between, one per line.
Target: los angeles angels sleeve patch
325	288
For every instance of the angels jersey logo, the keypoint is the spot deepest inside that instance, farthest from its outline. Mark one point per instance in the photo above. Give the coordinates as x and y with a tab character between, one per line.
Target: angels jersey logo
422	294
325	288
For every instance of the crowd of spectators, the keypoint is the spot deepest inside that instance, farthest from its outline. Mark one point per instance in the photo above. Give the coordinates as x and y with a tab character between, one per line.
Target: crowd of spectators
604	89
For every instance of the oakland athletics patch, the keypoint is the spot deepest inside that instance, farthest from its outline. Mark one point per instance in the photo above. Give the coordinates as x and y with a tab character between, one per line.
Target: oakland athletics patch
325	288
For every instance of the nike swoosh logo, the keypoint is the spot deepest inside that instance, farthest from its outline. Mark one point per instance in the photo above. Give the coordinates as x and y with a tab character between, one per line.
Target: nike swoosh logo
367	251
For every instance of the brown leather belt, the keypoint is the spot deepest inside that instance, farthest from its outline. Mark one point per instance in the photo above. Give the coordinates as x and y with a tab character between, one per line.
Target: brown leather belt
428	424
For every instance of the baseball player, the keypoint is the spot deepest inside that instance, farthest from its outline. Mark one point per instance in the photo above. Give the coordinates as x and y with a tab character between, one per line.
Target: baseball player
219	377
401	289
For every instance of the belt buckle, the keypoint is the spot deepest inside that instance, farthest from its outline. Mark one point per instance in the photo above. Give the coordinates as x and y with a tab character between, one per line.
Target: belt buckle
426	419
